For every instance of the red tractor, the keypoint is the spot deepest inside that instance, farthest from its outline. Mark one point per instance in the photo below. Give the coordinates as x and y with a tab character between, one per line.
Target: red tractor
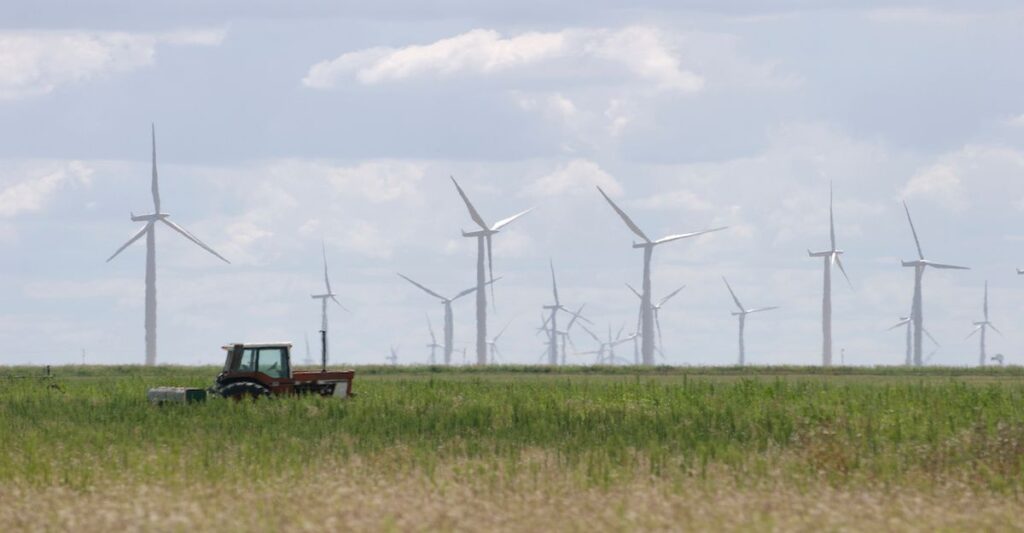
260	370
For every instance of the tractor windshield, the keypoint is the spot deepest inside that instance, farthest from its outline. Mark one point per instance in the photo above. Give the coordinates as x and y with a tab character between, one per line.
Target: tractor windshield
273	362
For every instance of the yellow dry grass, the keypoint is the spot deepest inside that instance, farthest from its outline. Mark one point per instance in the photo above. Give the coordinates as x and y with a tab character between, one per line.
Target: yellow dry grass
475	496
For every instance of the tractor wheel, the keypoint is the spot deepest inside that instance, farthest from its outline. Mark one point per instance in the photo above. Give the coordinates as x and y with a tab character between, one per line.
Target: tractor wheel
244	390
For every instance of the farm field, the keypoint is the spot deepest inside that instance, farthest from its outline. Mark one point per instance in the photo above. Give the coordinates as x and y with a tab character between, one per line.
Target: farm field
519	448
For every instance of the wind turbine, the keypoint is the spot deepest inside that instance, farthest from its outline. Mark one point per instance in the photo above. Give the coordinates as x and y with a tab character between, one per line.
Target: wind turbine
830	256
983	326
553	332
919	265
646	310
149	230
393	358
492	345
433	342
483	247
906	321
449	322
606	349
328	295
657	310
742	317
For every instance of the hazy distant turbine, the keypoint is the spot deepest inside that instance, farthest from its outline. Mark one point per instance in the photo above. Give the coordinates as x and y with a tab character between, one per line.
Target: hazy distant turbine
433	342
657	312
551	324
149	230
983	326
905	321
831	256
483	247
646	309
449	321
742	317
327	295
919	265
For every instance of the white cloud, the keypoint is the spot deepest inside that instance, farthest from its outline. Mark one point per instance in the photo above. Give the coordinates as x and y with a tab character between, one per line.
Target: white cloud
940	182
37	62
643	51
974	174
579	176
677	199
378	181
32	194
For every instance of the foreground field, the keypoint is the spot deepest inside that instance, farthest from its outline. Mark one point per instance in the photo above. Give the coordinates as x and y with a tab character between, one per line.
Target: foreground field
520	449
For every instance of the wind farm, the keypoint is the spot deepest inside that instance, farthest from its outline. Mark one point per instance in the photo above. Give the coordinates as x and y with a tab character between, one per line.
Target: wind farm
460	267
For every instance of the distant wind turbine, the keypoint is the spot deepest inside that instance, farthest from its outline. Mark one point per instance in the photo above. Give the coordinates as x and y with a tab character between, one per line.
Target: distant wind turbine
983	326
657	311
483	248
742	317
646	309
606	349
919	265
831	256
393	358
149	230
905	321
449	322
492	345
433	342
551	324
327	295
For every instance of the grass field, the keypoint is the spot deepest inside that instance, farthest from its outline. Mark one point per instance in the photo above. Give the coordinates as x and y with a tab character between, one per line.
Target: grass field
515	448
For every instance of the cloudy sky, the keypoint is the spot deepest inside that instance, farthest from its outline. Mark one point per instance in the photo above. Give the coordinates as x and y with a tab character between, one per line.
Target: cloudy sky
279	127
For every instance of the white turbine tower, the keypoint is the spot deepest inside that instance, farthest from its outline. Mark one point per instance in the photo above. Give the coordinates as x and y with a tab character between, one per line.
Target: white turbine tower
919	265
742	317
657	312
449	322
983	326
483	248
646	309
831	257
327	295
149	230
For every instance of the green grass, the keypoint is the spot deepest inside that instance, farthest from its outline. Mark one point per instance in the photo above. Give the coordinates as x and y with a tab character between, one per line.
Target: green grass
846	426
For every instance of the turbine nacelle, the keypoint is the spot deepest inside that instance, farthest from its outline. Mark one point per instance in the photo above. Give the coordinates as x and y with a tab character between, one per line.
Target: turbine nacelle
479	233
148	218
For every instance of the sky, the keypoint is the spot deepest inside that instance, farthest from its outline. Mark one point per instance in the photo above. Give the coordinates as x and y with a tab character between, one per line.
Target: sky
281	126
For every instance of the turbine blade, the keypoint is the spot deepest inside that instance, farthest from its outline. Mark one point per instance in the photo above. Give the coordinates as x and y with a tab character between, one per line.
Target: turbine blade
670	296
638	295
625	218
554	284
971	334
469	205
925	331
327	280
500	333
917	242
339	304
839	263
899	324
734	298
506	221
995	329
948	267
671	238
430	327
155	185
831	218
471	290
193	238
424	289
134	238
591	333
985	306
657	323
490	271
759	309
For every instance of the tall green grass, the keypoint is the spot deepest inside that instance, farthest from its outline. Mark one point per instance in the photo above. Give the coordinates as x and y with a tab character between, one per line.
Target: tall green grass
602	424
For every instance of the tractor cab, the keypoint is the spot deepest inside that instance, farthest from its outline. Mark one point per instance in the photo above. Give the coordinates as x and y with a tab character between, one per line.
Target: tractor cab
264	369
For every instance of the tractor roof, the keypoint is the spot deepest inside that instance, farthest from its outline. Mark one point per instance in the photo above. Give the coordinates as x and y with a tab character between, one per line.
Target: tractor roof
257	345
